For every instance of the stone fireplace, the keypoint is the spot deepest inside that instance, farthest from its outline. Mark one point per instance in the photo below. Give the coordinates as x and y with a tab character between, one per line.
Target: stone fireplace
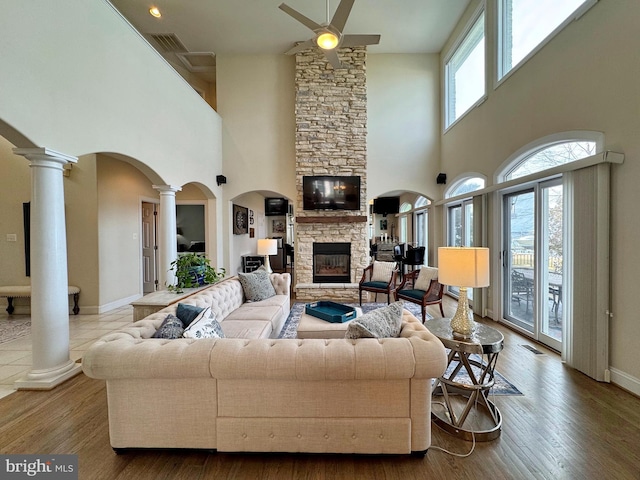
332	262
331	139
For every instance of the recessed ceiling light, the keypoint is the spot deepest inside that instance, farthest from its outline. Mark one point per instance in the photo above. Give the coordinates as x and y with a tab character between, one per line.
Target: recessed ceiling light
155	11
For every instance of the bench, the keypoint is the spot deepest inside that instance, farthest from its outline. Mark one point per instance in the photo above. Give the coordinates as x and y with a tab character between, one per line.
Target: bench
24	291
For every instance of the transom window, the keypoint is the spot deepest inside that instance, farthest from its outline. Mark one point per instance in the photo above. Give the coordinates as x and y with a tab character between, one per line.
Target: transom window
465	186
525	25
551	156
465	72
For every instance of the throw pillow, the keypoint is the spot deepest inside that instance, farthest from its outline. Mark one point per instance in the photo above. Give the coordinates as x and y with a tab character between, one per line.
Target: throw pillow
379	323
170	328
256	285
382	271
205	327
187	313
424	278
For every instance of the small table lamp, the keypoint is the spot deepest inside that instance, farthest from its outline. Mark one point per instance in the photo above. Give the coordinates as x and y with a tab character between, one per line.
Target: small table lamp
266	247
464	267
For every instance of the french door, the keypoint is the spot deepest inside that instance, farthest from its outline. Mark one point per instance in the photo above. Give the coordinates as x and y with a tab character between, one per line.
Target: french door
532	261
460	223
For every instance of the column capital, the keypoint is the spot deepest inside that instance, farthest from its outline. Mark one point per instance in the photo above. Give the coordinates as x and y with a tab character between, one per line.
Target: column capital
43	153
167	188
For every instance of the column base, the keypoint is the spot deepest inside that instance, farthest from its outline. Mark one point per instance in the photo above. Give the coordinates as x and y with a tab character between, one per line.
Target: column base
48	379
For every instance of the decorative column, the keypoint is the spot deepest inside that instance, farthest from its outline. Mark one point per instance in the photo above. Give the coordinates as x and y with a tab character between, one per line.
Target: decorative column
167	235
49	281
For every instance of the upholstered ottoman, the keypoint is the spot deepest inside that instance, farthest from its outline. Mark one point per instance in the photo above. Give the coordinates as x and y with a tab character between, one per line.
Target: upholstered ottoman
313	327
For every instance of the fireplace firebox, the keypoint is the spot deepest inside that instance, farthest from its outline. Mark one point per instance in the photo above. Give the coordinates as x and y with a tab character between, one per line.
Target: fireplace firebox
332	262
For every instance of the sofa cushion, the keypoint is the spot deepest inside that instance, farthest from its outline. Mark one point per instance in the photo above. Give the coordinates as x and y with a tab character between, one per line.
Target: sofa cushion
170	328
187	313
382	322
256	285
204	327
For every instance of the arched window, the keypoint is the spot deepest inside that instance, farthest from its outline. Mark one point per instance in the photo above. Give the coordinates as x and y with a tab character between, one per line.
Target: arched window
405	207
421	202
465	185
549	152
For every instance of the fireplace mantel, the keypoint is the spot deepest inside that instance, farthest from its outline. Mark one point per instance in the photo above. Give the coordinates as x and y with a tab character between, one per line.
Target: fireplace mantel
336	219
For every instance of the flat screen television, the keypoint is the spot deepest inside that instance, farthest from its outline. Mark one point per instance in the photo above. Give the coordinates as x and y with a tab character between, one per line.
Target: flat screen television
325	192
276	206
386	205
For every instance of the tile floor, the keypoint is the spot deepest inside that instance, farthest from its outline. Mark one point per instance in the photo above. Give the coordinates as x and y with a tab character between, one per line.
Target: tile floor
15	355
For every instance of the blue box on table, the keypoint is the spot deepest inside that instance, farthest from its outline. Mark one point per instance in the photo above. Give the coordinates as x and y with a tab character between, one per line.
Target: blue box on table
330	311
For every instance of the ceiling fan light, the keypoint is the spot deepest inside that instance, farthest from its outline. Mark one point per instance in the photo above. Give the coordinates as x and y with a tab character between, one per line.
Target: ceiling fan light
327	41
155	11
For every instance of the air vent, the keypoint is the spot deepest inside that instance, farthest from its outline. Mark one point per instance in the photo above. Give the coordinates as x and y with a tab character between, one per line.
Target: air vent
169	42
532	349
198	61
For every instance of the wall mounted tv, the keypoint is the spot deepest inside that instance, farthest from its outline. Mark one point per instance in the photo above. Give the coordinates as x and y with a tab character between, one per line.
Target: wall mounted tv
331	192
276	206
386	205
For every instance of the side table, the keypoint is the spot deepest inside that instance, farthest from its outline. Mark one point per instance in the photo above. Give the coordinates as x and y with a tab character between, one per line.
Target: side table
467	356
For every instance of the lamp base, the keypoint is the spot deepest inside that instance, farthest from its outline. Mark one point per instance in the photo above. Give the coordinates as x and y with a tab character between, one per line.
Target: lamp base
462	323
267	264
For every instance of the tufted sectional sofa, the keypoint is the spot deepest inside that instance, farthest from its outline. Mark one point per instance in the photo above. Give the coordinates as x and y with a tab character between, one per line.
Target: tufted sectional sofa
260	394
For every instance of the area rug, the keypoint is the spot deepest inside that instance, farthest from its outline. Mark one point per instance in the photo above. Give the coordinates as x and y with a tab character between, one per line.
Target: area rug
12	328
289	330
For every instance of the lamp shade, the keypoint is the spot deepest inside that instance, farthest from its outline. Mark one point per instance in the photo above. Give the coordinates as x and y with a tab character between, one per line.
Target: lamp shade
267	246
463	266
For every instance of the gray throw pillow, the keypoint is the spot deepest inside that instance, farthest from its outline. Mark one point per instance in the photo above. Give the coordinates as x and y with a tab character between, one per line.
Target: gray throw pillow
170	328
379	323
187	313
257	285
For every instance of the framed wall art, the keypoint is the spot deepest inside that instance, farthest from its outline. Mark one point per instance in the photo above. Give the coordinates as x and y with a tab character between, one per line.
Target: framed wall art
240	220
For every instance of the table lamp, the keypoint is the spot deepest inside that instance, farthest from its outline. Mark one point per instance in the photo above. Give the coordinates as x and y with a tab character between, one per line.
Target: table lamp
463	267
266	247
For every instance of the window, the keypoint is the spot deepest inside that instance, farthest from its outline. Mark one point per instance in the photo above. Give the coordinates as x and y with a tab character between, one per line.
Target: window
552	156
465	186
464	73
525	25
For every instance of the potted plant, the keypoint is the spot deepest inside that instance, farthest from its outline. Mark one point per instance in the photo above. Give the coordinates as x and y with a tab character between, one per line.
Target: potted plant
193	270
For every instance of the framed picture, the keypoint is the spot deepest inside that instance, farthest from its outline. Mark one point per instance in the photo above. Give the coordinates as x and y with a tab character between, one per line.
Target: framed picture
383	224
250	217
252	232
278	226
240	220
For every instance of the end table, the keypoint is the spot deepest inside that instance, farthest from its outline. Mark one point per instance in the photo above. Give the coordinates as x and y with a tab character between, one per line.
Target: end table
467	356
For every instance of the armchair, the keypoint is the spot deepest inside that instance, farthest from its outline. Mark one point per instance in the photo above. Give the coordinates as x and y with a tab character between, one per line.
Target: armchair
421	287
379	277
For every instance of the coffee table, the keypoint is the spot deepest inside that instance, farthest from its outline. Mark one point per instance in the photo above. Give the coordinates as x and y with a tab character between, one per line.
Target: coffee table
314	327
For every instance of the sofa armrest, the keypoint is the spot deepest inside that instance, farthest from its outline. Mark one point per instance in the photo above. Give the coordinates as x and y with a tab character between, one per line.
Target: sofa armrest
281	283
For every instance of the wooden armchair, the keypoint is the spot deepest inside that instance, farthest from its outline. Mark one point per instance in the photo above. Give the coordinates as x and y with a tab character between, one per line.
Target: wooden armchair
379	277
408	292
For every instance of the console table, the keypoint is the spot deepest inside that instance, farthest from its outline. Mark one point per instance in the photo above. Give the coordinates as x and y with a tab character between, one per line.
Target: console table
462	394
156	301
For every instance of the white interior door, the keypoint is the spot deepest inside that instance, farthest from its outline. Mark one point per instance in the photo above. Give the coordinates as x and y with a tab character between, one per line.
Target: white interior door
149	247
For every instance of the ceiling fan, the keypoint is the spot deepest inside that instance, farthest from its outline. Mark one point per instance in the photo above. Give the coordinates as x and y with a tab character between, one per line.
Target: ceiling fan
328	35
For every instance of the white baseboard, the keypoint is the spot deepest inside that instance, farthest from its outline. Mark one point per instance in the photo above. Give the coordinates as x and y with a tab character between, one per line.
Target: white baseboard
118	303
626	381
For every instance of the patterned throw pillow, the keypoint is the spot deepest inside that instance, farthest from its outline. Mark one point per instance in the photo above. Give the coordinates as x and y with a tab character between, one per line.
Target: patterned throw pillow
424	278
257	285
379	323
171	328
187	313
382	271
204	327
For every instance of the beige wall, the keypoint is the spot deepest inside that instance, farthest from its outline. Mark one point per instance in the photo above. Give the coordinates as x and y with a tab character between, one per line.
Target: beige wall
586	78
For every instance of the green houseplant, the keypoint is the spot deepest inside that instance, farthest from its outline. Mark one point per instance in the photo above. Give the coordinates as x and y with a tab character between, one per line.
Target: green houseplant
193	270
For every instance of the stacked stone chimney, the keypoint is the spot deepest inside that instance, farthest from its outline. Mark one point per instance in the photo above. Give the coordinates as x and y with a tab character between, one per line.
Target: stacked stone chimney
331	139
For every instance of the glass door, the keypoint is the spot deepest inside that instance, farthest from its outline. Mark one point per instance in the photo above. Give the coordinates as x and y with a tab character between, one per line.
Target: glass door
532	261
460	233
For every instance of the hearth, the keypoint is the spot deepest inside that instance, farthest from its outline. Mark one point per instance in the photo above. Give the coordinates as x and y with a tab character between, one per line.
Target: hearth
332	262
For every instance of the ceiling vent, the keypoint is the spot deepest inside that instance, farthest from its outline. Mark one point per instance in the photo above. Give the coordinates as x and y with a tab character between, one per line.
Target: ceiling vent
198	61
168	42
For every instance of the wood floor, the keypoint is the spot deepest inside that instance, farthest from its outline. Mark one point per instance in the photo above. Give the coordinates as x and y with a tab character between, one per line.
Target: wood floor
564	426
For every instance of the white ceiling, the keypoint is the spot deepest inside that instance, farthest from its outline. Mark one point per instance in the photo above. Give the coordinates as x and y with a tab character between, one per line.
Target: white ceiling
259	26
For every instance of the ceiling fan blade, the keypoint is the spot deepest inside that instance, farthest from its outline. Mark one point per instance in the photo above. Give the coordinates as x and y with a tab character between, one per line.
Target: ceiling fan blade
299	17
342	14
332	57
300	47
358	40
